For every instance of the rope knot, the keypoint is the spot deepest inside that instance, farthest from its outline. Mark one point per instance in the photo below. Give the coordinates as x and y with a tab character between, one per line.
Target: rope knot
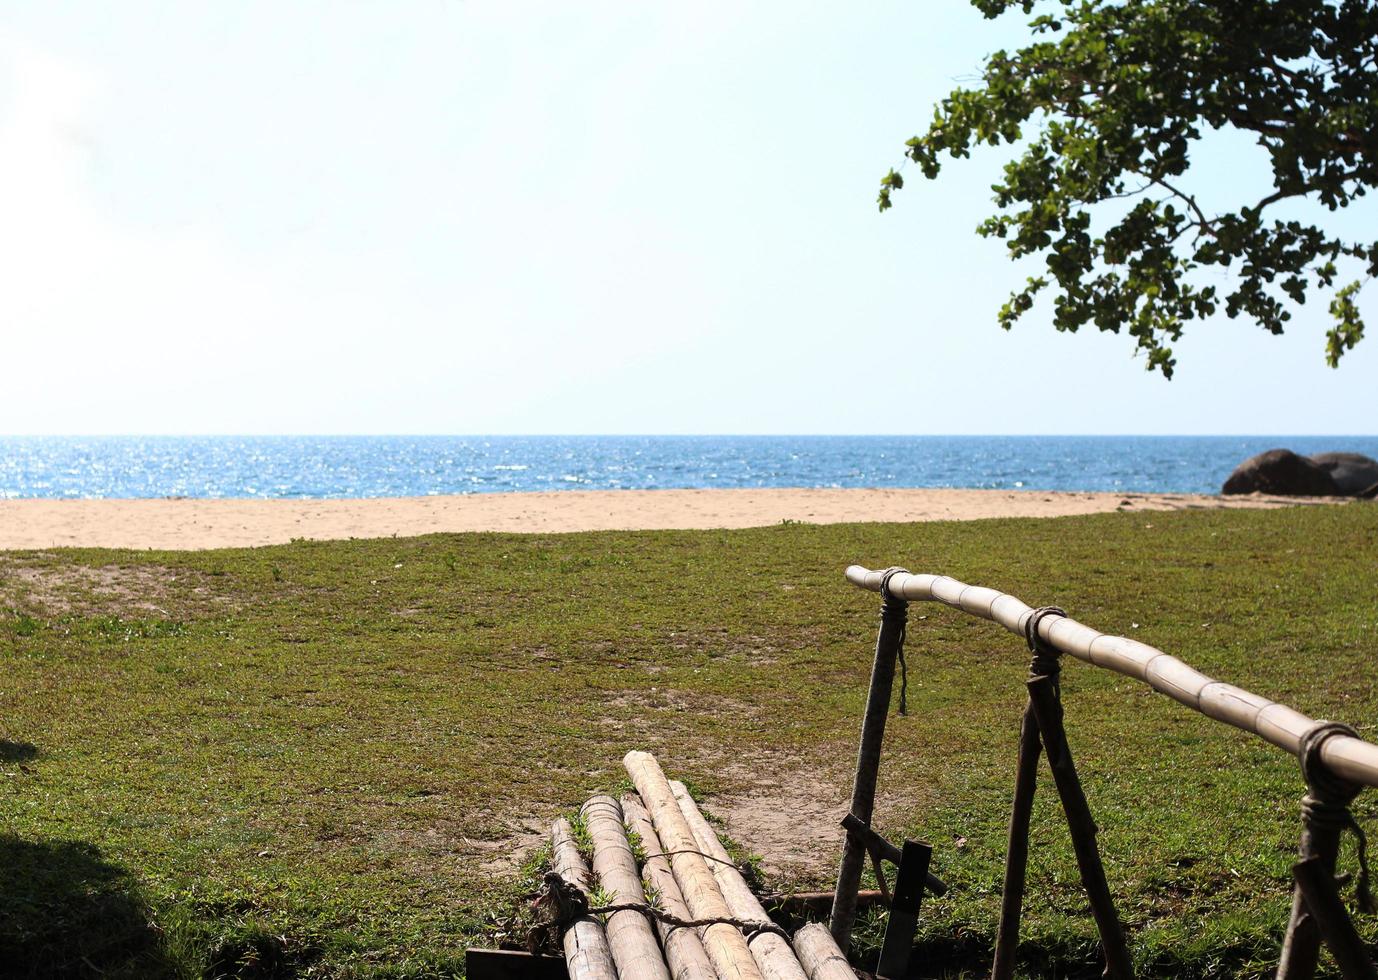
561	903
558	903
1045	656
1326	803
885	578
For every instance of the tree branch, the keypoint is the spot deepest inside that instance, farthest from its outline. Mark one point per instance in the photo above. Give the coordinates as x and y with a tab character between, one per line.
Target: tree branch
1202	222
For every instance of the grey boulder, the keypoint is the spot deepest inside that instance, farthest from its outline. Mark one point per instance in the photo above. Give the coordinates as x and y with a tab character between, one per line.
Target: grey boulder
1284	473
1353	473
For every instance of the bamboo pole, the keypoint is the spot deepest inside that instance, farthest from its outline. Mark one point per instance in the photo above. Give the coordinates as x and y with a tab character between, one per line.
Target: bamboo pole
1350	758
819	955
725	944
634	947
684	950
772	952
587	956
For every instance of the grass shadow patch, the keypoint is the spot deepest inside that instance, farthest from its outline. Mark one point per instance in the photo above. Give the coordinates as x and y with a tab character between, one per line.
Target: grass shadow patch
65	911
258	953
17	751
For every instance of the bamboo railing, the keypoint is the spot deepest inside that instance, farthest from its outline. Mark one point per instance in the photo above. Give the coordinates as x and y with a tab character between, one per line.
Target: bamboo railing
1351	758
1336	765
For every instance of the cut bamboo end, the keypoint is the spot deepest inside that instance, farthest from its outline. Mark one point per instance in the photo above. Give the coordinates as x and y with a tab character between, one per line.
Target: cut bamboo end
725	944
587	954
634	947
819	955
772	953
684	950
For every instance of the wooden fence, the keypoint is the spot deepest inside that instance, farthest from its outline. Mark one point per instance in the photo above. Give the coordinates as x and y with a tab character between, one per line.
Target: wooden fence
1335	762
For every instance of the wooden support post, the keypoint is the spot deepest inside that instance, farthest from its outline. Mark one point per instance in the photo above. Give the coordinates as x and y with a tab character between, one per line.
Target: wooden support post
904	911
587	955
1316	884
1017	848
1324	815
634	947
1301	946
1047	706
894	612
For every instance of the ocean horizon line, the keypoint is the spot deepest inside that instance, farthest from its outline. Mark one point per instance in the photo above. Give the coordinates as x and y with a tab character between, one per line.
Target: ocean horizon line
690	435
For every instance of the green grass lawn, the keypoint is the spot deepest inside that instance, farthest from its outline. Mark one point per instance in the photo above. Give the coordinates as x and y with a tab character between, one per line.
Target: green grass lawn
314	759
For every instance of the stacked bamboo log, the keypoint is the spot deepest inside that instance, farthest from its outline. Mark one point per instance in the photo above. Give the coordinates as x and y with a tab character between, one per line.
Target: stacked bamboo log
662	900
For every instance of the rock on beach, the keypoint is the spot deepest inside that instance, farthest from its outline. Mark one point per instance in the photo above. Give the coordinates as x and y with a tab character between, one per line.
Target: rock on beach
1285	473
1353	473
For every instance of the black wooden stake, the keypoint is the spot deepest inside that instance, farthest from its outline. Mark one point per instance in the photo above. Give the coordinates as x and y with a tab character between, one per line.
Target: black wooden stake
1047	708
904	911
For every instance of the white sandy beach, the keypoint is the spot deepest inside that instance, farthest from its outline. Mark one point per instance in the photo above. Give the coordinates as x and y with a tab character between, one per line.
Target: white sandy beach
194	524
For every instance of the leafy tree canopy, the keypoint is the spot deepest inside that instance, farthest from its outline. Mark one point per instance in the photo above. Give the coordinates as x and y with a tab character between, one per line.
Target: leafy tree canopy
1107	103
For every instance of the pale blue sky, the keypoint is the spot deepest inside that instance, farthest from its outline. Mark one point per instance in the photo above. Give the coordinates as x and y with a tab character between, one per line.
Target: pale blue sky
512	217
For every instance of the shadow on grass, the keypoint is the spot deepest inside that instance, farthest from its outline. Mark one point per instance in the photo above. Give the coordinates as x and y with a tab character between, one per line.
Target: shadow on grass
17	751
67	912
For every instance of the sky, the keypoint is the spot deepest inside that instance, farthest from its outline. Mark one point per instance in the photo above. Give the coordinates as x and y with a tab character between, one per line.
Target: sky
502	216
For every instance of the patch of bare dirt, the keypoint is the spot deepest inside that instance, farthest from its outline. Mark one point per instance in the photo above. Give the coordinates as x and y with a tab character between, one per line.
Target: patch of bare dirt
132	591
429	838
790	809
787	808
508	854
788	812
640	715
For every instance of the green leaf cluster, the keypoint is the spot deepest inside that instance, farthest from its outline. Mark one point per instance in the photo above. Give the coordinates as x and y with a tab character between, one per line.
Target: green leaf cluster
1106	104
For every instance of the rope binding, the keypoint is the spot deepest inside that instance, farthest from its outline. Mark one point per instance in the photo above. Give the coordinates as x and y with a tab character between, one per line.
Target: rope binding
1327	800
1045	661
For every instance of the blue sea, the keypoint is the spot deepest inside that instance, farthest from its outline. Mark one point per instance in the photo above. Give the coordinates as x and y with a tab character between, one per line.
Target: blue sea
405	466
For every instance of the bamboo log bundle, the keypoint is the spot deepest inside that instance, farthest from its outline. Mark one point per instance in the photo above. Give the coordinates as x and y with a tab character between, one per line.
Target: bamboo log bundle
725	944
684	950
634	947
1350	758
587	956
773	954
818	953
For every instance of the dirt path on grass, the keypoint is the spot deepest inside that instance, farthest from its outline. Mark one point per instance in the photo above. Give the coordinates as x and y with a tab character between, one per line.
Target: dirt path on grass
189	524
